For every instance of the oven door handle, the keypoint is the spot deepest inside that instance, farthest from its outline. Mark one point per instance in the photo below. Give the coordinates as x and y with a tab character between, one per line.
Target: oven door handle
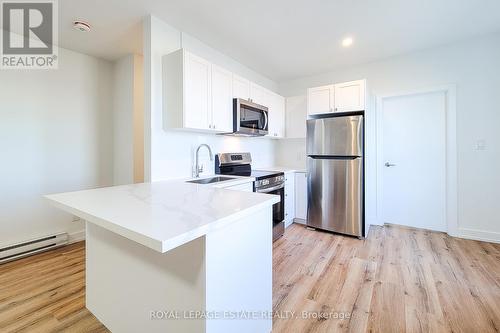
270	189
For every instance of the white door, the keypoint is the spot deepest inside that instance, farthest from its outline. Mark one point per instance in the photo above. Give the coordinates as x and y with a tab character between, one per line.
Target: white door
320	99
350	96
241	87
197	112
414	162
222	99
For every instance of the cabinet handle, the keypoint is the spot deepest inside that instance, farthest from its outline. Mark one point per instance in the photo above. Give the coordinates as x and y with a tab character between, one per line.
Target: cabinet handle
209	126
213	126
336	109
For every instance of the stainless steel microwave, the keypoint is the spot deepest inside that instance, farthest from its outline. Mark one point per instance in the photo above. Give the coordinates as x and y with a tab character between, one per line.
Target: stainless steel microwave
249	118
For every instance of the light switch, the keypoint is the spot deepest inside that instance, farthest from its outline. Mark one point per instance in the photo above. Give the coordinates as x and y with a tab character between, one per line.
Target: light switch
480	145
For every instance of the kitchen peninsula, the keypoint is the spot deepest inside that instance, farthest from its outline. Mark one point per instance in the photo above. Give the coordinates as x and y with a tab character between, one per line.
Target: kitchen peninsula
174	256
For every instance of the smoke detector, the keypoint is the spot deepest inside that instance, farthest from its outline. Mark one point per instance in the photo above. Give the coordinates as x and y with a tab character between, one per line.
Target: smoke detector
81	26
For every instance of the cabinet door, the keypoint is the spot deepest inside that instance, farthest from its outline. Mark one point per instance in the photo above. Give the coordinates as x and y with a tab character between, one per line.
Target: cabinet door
241	87
276	116
289	198
197	101
350	96
301	195
320	99
295	117
259	95
222	99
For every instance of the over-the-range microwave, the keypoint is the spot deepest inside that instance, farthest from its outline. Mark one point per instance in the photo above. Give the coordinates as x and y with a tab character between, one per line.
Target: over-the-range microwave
249	118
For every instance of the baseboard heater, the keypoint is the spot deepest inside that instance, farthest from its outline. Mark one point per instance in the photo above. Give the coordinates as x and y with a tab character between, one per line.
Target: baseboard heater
24	249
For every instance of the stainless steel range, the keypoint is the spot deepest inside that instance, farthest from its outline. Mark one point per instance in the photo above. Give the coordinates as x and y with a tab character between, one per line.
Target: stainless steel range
270	182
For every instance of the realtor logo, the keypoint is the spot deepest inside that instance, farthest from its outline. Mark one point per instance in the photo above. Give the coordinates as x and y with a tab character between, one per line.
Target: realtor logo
29	34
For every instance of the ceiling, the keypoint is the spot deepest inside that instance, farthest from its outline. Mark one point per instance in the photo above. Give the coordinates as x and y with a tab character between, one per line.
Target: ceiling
283	39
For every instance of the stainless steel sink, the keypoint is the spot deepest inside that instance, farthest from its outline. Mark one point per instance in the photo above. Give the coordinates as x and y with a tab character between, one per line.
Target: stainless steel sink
210	180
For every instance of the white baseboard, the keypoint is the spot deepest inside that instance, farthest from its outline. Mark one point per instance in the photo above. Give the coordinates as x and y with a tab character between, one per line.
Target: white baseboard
76	236
480	235
367	229
299	221
466	233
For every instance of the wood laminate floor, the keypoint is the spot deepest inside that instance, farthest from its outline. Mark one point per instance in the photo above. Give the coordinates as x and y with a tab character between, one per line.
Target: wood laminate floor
398	279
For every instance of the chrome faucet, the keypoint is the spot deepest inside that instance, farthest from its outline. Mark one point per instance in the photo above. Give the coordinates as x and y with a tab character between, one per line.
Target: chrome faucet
197	168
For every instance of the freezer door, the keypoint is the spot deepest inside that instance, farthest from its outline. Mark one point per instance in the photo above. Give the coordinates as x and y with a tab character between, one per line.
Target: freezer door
335	195
338	136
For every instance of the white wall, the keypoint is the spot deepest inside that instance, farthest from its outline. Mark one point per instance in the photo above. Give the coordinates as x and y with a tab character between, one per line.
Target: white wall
123	112
169	154
474	66
55	136
291	153
128	123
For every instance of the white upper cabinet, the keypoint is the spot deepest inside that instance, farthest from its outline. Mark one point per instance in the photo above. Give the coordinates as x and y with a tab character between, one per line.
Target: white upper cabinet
296	116
350	96
187	92
320	99
241	87
276	115
197	108
340	97
198	95
222	99
260	95
276	109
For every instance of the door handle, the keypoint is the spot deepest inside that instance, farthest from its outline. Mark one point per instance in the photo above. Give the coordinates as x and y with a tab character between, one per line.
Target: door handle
387	164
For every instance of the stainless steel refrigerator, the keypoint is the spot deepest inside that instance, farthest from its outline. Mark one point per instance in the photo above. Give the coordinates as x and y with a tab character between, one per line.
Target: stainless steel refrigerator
335	174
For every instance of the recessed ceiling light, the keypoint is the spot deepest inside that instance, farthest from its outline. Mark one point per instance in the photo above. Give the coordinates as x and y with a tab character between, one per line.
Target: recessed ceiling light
346	42
81	26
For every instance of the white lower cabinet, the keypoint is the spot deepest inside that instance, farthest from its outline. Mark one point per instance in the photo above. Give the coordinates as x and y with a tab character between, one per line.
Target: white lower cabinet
289	198
301	195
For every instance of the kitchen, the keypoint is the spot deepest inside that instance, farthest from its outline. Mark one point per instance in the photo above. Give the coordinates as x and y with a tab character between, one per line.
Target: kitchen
152	130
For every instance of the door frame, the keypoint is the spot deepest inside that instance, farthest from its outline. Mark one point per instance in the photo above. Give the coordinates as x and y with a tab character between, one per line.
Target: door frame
451	200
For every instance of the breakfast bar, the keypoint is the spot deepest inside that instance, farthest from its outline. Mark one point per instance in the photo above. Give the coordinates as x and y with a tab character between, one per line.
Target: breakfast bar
173	256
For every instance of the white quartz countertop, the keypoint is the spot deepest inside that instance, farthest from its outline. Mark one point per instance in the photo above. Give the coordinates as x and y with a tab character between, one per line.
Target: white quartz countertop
162	215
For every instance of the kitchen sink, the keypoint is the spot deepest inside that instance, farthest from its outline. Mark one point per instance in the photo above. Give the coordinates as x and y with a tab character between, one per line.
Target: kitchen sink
210	180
